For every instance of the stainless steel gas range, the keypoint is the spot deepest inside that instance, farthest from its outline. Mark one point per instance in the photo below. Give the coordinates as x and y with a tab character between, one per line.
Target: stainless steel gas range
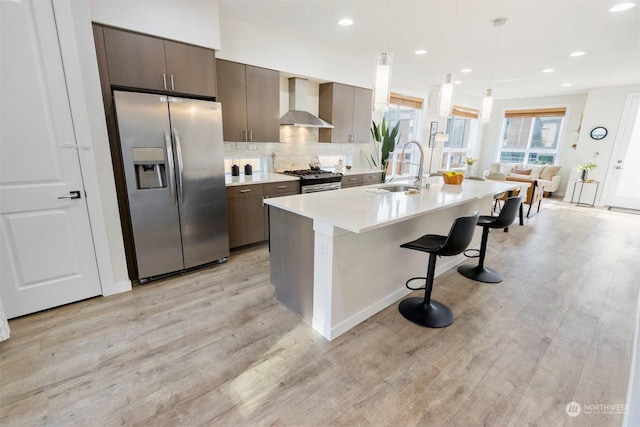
314	180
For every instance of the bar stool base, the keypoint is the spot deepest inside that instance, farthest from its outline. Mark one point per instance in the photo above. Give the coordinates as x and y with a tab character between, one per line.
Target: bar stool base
433	315
480	274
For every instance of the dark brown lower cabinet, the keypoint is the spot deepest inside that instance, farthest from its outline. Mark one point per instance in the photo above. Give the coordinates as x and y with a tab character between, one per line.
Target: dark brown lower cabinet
248	215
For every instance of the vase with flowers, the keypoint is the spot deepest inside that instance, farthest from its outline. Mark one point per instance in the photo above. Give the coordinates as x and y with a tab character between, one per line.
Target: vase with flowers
585	168
470	161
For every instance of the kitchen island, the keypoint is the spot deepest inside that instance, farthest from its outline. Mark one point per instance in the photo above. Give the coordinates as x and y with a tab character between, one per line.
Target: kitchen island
336	258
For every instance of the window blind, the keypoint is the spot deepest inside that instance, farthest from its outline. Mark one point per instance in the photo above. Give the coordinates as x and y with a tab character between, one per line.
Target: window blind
466	112
542	112
406	101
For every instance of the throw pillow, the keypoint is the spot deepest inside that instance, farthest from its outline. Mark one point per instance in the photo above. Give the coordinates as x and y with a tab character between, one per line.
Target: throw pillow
505	168
549	172
536	170
495	167
521	172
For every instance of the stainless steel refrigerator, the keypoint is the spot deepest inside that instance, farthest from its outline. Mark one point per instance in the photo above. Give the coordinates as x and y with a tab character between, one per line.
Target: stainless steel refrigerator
173	155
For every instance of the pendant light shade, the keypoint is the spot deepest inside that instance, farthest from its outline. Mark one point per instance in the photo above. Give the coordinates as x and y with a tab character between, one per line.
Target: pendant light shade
487	104
446	96
383	77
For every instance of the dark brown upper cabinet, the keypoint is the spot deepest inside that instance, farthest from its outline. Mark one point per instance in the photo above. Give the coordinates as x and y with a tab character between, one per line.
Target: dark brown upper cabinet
348	109
146	62
250	98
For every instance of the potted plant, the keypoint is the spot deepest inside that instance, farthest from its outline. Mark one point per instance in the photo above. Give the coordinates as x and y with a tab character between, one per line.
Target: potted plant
585	168
384	139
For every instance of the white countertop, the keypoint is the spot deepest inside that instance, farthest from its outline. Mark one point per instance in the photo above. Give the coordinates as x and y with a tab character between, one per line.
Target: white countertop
257	178
358	210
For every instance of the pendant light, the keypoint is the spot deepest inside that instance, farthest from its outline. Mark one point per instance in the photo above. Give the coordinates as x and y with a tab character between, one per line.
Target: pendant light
383	73
487	100
487	105
383	77
445	101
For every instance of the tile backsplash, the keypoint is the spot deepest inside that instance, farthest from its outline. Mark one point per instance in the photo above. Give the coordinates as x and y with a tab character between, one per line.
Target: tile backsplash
295	150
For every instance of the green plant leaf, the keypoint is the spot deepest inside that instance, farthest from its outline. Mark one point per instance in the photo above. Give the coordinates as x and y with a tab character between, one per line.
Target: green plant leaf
375	131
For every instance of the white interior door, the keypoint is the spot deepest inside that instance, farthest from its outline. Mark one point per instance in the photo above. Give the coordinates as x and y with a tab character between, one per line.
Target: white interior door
46	249
624	191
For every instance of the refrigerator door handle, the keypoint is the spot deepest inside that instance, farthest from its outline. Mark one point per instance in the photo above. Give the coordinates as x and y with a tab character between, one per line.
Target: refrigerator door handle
176	136
171	172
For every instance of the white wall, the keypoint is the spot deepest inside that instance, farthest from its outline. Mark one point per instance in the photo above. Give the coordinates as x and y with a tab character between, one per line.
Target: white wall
191	21
604	107
81	73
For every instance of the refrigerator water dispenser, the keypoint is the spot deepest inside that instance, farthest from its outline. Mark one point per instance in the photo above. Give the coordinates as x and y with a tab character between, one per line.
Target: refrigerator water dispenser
150	168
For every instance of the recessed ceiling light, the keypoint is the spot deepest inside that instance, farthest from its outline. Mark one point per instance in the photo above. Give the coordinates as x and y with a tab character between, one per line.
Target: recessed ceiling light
577	53
457	82
465	70
567	84
345	22
622	7
548	70
420	52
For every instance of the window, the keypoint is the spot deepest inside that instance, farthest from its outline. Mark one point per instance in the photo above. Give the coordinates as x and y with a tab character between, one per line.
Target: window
455	150
406	110
531	136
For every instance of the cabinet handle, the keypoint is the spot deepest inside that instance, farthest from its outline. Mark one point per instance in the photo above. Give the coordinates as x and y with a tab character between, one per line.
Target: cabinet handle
352	179
250	136
351	139
164	81
246	190
172	88
246	133
282	186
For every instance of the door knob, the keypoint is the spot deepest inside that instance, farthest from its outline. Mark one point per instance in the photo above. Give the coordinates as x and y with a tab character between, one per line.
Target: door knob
72	195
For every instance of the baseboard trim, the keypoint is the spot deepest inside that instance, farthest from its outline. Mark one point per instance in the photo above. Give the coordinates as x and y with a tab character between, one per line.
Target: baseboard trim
116	288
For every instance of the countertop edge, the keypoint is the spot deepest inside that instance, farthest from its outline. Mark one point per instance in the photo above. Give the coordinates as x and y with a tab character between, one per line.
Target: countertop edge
280	204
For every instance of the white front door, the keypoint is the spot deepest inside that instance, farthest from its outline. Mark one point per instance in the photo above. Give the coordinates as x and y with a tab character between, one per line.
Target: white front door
624	191
46	248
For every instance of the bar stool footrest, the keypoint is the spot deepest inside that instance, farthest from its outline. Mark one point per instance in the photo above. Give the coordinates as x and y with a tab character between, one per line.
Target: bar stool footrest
424	279
432	315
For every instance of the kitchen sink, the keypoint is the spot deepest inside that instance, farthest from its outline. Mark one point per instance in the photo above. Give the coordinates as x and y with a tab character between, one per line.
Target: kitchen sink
398	188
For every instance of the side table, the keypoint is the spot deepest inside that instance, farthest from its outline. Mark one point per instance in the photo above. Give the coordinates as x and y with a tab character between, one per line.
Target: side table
582	183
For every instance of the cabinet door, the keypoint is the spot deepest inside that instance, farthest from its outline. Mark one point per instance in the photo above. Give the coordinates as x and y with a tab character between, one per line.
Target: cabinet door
362	106
263	104
135	60
372	178
191	68
232	93
351	181
246	221
336	106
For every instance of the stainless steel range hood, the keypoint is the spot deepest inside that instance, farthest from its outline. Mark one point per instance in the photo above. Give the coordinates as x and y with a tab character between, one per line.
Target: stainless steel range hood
298	114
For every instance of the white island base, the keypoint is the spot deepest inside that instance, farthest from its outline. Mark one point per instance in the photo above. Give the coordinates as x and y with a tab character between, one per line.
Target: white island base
336	277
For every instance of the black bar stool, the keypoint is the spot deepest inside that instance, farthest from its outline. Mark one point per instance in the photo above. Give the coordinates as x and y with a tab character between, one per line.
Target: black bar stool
480	273
424	311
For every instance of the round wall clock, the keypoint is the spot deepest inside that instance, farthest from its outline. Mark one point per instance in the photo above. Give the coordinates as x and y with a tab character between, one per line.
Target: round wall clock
598	132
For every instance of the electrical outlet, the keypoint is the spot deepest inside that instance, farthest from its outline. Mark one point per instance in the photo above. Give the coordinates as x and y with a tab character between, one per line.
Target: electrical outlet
229	146
241	145
253	147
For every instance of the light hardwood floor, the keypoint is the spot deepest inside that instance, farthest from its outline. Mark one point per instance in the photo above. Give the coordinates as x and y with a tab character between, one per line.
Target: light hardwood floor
214	347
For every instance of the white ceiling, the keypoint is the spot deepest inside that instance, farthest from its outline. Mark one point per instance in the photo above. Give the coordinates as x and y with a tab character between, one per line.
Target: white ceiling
458	34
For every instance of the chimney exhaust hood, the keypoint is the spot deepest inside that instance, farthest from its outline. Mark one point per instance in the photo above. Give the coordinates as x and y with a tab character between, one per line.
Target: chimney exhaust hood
298	114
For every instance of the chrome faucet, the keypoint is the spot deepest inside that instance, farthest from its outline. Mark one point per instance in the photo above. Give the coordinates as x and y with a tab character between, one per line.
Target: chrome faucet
418	181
